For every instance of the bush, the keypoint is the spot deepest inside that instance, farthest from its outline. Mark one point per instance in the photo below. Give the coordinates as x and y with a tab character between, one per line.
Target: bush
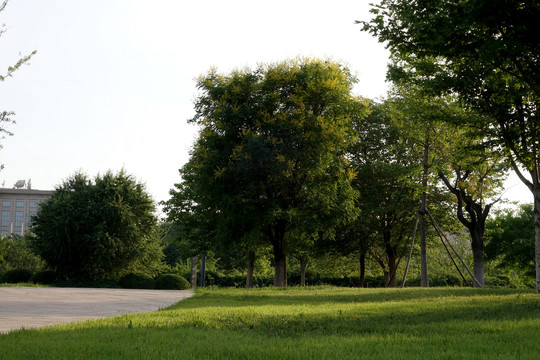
171	282
46	277
136	281
110	228
17	276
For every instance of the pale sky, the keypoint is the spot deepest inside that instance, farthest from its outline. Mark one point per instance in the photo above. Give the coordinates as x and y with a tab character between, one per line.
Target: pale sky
113	82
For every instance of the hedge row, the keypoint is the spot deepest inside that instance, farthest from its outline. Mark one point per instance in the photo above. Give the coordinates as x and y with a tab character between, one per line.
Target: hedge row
162	282
131	281
293	279
179	282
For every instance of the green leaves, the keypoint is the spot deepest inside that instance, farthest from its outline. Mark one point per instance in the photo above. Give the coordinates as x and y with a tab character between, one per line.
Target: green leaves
270	149
97	229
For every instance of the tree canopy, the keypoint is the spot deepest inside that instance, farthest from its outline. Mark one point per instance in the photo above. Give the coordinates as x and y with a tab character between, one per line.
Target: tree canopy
270	153
487	53
101	228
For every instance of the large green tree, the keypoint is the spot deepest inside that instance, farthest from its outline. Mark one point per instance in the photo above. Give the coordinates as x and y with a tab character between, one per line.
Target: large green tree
101	228
386	165
486	52
270	152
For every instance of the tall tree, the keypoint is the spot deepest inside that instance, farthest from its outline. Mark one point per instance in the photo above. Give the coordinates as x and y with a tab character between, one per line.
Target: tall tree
485	52
386	166
269	156
474	173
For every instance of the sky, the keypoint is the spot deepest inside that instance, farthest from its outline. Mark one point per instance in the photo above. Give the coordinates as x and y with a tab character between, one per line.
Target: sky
113	82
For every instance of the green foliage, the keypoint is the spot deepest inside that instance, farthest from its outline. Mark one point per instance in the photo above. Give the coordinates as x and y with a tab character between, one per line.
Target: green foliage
511	239
171	282
16	253
136	281
269	157
47	277
17	276
98	229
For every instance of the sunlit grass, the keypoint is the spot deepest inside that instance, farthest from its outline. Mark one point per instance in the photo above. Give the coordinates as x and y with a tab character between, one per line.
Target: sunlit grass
28	284
311	323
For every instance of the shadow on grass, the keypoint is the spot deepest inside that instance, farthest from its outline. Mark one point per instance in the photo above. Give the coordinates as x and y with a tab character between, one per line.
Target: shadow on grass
299	296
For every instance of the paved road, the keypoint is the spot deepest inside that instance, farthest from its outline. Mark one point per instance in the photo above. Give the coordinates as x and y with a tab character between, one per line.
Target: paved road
36	307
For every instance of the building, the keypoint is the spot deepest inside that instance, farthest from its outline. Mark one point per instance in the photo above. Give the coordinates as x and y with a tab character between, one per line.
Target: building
18	205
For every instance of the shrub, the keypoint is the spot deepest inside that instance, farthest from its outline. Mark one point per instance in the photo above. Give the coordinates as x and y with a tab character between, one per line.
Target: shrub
136	281
110	228
47	277
171	282
17	276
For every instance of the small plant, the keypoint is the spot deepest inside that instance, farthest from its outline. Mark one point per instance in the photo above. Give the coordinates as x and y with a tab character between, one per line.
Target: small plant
136	281
171	282
17	276
46	277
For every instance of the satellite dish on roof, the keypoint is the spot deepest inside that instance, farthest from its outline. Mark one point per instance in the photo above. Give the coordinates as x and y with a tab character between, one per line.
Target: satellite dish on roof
20	184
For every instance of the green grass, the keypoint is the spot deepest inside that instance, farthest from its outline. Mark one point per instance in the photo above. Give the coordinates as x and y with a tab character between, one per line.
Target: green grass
28	284
311	323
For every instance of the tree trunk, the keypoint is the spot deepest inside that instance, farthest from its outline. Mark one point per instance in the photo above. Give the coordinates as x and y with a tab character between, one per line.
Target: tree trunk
203	270
193	272
362	281
303	265
477	245
391	255
280	271
277	238
536	193
250	267
390	277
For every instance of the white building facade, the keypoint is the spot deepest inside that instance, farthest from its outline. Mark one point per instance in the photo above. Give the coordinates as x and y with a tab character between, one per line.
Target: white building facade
17	207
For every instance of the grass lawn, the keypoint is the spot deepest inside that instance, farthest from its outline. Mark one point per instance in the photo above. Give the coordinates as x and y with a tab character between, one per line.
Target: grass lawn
305	323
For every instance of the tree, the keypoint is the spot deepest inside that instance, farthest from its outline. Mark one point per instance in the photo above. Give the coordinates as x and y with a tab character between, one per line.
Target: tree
511	239
6	117
487	53
386	164
269	157
16	253
98	229
474	173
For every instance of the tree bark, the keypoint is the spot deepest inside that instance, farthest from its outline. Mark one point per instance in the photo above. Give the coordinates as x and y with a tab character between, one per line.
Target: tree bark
477	245
277	238
536	193
193	272
390	276
250	267
362	281
303	265
280	272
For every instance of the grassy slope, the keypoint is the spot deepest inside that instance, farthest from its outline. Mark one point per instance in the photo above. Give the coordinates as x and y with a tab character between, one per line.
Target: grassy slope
312	323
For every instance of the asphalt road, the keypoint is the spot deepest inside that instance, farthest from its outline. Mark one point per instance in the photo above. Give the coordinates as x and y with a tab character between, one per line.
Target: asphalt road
37	307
